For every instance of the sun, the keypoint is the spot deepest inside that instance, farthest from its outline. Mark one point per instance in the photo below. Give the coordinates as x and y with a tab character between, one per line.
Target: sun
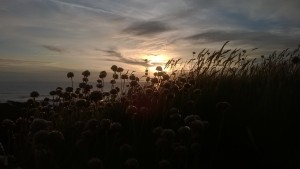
156	60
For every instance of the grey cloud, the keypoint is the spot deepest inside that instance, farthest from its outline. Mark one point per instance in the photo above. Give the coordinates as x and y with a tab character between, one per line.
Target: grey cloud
147	28
268	9
7	62
116	56
54	48
254	38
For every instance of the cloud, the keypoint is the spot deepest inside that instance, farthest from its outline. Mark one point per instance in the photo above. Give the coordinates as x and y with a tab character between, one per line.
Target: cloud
146	28
255	9
54	48
75	5
265	39
20	61
116	56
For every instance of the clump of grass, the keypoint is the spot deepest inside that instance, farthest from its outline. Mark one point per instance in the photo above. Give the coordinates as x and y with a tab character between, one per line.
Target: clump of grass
205	98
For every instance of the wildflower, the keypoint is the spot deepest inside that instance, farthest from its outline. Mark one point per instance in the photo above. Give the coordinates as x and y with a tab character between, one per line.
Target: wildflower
70	75
123	99
197	126
186	86
132	163
74	95
180	151
148	79
113	81
132	77
144	110
87	88
105	123
82	85
168	134
173	110
34	94
115	76
154	80
222	106
46	99
95	163
159	68
7	123
190	118
102	74
96	96
55	139
164	164
39	124
99	86
120	69
85	79
124	76
106	94
116	126
160	73
197	92
59	88
86	73
81	103
133	83
166	77
113	91
132	110
52	93
69	89
40	138
114	68
175	116
184	131
92	124
157	131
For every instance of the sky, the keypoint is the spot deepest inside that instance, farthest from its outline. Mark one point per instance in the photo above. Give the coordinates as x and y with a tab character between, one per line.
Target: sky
45	39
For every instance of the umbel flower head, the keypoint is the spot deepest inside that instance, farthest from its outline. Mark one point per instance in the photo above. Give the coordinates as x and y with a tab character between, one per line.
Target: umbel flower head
70	74
114	68
159	68
86	73
102	74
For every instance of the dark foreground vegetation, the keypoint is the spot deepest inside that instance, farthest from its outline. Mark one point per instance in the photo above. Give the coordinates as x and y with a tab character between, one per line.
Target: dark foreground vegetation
227	110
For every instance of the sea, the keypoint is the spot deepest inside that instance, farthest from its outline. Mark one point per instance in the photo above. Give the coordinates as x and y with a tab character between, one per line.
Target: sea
20	91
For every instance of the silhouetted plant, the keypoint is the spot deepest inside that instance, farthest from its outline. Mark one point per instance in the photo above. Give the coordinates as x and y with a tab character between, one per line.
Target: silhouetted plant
34	94
70	75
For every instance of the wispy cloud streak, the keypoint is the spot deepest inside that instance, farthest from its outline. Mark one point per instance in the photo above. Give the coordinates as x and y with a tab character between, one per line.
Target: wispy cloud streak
147	28
85	7
116	56
54	48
